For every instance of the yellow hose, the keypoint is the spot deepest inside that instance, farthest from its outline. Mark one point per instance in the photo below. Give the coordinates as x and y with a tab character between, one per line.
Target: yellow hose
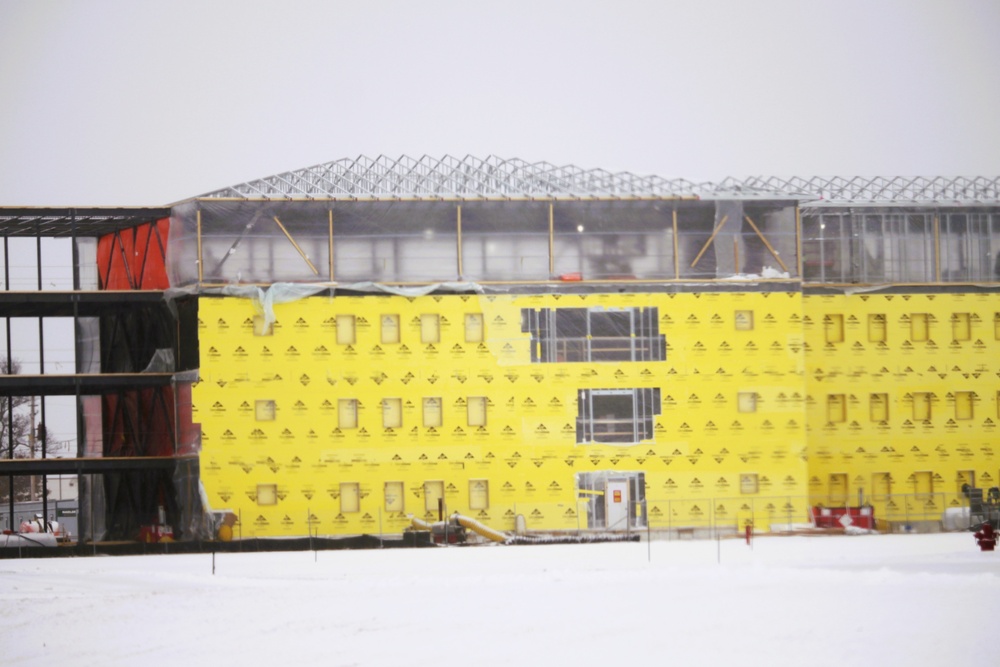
476	527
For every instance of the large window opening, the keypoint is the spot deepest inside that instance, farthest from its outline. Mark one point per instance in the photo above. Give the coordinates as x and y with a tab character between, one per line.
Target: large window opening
616	416
594	334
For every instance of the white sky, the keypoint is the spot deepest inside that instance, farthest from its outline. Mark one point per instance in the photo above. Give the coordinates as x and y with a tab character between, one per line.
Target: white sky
119	102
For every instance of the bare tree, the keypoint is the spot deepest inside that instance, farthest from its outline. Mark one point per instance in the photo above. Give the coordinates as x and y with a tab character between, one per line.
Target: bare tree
16	437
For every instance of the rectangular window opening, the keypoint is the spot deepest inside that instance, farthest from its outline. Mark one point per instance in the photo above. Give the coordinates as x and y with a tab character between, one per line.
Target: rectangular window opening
919	327
394	497
961	327
923	484
746	401
476	410
748	483
346	330
479	494
392	413
390	329
264	411
878	407
964	481
430	328
598	334
836	408
833	327
743	320
881	486
838	489
616	416
474	328
350	497
963	405
347	413
433	492
432	412
267	494
876	328
921	406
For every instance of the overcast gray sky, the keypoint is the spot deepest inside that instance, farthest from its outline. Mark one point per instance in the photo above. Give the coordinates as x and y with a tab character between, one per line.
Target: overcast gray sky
124	102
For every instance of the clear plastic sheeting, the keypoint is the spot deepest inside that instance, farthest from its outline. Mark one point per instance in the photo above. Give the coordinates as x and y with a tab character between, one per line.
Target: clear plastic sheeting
222	242
264	300
614	240
505	240
878	246
162	362
422	290
88	345
93	509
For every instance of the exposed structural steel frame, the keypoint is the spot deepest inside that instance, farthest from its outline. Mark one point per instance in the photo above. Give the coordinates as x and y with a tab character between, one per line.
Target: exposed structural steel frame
139	435
493	177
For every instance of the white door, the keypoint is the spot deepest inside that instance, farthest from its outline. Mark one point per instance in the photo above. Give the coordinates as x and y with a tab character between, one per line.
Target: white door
616	500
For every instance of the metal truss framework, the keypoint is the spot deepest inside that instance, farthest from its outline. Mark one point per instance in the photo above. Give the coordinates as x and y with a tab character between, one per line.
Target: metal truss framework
877	191
453	178
498	178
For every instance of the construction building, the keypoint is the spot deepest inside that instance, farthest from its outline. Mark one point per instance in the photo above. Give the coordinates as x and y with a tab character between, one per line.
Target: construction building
333	350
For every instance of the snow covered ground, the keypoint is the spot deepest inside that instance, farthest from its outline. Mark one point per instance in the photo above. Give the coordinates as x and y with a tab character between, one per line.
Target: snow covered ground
851	600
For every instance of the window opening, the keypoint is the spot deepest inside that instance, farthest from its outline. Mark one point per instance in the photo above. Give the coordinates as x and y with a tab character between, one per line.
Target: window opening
743	320
474	328
267	494
347	413
350	497
264	411
616	416
963	405
432	412
961	329
594	334
878	407
394	497
392	413
921	406
345	330
476	410
479	494
876	328
746	401
390	329
433	492
833	326
836	408
919	327
430	328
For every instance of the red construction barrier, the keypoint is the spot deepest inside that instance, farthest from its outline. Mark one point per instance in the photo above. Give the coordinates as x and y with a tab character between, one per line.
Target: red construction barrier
832	517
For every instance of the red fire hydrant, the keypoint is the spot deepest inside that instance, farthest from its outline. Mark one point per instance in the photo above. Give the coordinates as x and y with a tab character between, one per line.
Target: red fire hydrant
986	537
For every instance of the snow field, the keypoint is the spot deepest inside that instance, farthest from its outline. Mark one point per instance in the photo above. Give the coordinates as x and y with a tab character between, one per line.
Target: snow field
851	600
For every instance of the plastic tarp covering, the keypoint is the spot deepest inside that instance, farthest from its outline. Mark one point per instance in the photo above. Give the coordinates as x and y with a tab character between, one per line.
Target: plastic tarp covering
93	509
476	241
604	240
879	246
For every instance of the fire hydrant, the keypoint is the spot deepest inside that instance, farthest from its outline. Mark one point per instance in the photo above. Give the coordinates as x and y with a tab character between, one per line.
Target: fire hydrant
986	537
